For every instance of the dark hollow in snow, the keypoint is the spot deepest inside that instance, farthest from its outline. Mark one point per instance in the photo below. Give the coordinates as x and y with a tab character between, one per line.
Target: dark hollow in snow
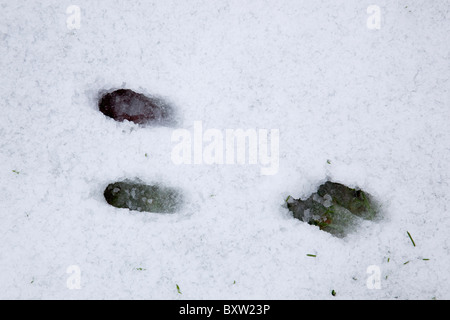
334	208
137	196
125	104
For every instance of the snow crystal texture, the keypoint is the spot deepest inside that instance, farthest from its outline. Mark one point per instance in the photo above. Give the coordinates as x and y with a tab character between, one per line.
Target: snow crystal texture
367	108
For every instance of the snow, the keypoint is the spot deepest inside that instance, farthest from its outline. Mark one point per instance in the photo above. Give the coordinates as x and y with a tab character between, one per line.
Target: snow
375	103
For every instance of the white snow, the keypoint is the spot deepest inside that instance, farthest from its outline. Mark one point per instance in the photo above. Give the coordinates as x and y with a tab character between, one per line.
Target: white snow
375	103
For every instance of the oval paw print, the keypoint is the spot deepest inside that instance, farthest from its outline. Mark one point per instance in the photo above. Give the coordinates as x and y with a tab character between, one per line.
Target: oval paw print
334	208
125	104
137	196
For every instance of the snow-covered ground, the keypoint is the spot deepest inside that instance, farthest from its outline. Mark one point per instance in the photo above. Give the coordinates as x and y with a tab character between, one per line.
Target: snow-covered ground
374	102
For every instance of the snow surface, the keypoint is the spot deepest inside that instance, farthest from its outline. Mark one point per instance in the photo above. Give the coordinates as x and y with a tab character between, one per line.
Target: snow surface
376	103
